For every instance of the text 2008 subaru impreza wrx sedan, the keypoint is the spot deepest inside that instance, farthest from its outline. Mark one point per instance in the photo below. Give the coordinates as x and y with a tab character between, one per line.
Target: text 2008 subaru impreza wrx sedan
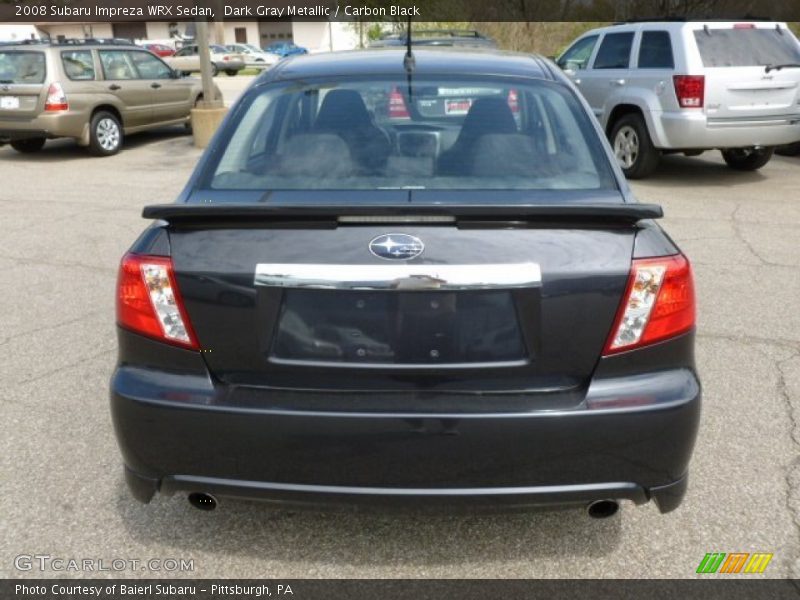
420	284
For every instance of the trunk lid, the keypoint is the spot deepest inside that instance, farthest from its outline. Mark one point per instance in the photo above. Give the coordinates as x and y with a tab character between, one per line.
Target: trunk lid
489	306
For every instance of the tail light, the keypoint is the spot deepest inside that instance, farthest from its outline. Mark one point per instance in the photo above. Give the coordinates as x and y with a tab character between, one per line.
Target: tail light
397	105
149	303
690	90
56	98
658	304
513	101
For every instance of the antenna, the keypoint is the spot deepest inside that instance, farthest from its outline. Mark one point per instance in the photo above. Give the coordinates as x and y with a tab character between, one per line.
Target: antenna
409	62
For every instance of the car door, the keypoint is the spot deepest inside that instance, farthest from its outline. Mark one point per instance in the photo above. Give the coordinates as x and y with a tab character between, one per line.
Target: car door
122	80
608	73
186	59
171	96
653	68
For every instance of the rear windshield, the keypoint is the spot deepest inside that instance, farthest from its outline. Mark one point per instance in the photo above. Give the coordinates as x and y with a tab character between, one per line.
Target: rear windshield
22	67
428	134
746	47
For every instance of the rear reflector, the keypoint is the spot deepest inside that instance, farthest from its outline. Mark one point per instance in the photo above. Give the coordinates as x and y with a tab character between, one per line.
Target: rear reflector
744	26
149	303
690	90
56	98
658	304
397	105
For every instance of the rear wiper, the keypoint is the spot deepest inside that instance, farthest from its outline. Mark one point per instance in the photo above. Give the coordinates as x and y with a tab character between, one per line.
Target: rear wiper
768	68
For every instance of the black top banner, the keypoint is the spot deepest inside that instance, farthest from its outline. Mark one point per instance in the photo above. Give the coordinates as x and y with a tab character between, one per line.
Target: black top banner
36	11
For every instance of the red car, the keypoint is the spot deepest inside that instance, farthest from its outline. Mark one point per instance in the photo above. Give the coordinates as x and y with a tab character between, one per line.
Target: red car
160	49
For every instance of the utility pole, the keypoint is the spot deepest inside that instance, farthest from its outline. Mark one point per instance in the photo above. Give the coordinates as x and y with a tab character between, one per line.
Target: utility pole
209	93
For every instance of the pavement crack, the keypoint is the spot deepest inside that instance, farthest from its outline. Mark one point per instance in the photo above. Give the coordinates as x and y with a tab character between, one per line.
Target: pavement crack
792	471
739	235
52	372
52	327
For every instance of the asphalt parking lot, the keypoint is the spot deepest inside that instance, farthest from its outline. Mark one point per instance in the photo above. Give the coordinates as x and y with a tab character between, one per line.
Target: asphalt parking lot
67	218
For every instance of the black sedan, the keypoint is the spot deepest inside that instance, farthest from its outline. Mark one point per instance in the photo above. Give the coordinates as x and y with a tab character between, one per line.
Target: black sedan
413	283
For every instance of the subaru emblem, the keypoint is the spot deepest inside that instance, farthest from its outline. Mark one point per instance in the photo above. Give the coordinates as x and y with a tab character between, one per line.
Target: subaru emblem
396	246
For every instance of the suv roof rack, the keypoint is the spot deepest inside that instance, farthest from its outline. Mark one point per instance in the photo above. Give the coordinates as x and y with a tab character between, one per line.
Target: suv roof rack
64	41
692	19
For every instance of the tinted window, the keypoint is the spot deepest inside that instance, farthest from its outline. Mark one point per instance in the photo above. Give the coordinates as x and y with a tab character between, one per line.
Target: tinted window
439	134
655	51
22	67
746	47
578	55
615	51
78	65
117	65
149	67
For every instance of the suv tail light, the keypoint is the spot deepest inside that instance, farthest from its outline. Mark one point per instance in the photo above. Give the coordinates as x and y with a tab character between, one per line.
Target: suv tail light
397	106
658	304
149	303
690	90
56	98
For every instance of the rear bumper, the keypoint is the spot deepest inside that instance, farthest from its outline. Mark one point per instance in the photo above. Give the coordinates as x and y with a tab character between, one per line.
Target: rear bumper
686	130
65	124
177	434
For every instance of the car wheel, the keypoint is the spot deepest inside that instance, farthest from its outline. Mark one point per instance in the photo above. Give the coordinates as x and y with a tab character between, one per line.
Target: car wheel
214	70
231	72
105	134
28	146
747	159
636	155
788	150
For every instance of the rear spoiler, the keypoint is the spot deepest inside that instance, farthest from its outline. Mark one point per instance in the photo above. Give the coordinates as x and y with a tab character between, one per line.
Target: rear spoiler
215	213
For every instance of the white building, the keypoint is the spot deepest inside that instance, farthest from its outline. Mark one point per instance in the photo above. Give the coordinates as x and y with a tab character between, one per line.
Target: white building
317	36
16	33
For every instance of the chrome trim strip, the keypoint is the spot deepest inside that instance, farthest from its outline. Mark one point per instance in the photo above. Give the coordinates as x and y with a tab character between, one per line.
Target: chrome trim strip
406	277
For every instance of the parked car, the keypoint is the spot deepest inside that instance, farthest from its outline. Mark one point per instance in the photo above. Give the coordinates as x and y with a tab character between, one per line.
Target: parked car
187	60
660	87
285	49
436	37
345	308
161	50
253	55
94	93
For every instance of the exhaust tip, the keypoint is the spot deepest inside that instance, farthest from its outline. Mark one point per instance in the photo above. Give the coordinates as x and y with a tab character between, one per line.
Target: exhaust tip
202	501
602	509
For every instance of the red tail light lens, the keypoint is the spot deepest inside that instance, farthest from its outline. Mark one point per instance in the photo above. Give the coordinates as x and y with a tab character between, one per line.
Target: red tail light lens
56	98
149	302
397	105
658	304
690	90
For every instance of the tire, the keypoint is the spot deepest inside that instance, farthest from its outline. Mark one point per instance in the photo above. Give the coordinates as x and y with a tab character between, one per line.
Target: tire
28	146
788	150
231	72
747	159
214	70
636	155
105	134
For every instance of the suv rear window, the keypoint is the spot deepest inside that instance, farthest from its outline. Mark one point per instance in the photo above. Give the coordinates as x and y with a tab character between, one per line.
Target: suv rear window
746	47
434	133
18	66
615	51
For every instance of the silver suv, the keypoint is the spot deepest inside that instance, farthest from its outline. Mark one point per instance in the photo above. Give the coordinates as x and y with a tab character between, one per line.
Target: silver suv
95	91
661	87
